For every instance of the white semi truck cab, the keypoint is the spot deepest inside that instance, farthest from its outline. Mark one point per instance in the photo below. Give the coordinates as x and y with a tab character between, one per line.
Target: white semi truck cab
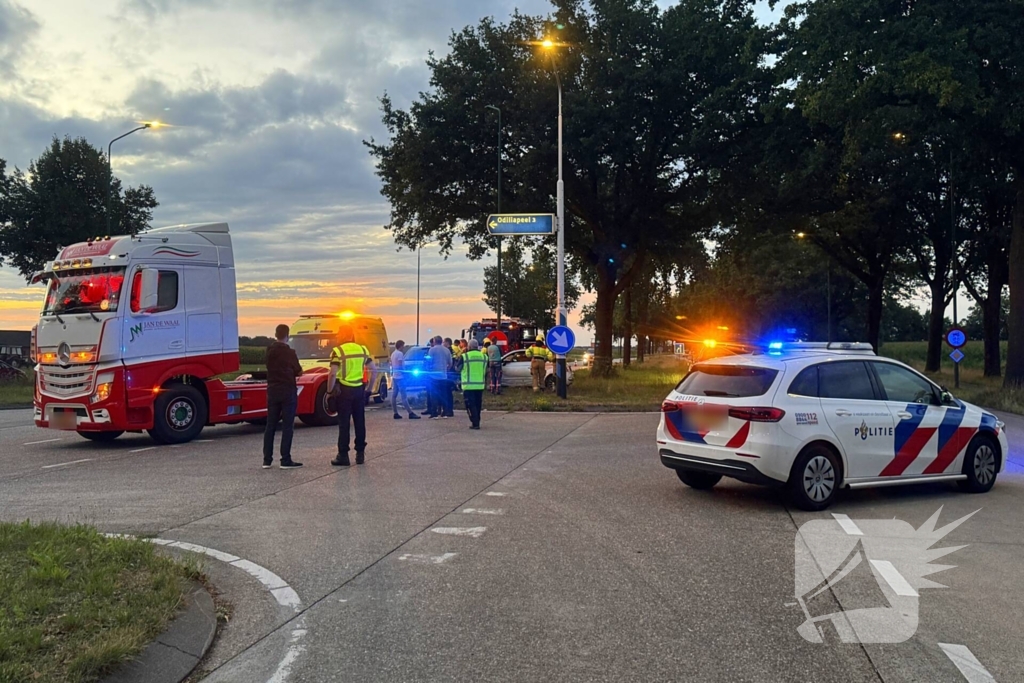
134	332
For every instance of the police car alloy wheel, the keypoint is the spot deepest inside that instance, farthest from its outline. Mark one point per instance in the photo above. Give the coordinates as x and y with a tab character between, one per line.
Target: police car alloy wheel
815	481
980	465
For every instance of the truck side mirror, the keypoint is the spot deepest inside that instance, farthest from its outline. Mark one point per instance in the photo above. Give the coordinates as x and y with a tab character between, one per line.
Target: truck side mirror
146	289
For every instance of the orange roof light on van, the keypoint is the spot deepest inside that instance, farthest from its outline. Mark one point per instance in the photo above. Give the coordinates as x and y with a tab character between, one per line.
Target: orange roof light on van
346	315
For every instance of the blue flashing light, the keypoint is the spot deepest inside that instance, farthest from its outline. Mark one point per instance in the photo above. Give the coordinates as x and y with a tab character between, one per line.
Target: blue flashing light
416	372
775	346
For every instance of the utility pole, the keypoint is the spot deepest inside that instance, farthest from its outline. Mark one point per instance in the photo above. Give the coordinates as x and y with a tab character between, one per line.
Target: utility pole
491	106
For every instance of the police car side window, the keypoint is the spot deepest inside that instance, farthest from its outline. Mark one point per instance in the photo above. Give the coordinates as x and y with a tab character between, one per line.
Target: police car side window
845	380
903	386
806	383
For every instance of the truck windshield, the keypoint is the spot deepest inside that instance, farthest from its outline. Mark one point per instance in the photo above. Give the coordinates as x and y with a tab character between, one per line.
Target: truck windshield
96	290
313	346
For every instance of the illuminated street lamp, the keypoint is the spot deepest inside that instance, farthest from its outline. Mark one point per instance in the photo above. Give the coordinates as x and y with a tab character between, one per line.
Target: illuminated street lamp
549	45
145	124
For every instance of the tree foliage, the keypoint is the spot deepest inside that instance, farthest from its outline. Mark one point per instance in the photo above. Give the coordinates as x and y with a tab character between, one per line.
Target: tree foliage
61	200
655	124
528	289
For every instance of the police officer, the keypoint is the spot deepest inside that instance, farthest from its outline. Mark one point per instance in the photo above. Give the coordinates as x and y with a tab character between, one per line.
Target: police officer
539	356
474	374
351	371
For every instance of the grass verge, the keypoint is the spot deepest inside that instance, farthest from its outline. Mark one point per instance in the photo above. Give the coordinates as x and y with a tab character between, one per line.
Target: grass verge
74	604
638	388
17	392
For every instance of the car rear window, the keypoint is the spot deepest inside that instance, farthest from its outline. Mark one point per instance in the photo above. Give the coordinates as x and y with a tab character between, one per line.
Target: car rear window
727	381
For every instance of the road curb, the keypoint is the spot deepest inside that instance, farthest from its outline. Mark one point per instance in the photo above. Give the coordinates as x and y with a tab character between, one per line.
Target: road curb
175	652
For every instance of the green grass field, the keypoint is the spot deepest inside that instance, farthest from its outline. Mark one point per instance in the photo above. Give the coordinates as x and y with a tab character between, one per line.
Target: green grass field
74	604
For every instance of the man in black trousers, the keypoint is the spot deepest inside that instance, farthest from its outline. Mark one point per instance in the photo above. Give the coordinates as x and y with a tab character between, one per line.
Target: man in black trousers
282	398
352	370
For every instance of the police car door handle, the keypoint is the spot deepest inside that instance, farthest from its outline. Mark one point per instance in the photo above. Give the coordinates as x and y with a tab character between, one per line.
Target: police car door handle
904	415
843	413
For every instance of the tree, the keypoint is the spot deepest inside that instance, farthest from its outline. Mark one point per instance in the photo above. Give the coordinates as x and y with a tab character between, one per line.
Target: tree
60	201
528	289
655	129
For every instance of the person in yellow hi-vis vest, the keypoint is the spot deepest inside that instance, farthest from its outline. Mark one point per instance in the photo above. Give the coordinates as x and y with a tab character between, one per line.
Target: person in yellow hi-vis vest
474	379
539	356
352	370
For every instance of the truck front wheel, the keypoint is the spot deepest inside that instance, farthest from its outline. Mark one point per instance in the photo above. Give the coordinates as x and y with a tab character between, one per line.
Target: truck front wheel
321	417
179	414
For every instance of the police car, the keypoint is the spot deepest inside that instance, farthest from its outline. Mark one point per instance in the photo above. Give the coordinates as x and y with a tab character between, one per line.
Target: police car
816	418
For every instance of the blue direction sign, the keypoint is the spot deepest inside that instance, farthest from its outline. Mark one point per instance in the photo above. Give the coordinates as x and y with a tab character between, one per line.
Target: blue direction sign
521	224
956	337
957	355
561	340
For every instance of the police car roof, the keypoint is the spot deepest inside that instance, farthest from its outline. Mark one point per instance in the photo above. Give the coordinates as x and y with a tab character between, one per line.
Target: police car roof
795	353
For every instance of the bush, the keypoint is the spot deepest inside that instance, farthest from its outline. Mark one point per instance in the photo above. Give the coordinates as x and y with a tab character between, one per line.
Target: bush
252	355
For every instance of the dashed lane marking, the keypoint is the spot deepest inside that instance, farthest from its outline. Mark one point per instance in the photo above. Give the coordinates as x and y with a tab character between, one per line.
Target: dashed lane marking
65	464
35	443
143	450
849	526
892	576
473	531
496	493
968	664
482	511
426	559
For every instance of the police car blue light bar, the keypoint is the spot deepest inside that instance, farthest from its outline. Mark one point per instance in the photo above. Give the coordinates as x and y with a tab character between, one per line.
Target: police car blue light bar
777	348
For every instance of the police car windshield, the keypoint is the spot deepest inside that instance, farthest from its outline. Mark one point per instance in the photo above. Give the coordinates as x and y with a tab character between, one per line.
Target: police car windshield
727	381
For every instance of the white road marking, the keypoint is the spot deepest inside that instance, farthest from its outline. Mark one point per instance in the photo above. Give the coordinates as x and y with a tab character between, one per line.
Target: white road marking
203	441
143	450
968	664
64	464
33	443
284	594
482	511
426	559
496	493
849	526
893	577
473	531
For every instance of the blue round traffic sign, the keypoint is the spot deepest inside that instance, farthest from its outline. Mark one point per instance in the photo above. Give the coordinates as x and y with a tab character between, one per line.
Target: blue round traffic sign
561	340
956	337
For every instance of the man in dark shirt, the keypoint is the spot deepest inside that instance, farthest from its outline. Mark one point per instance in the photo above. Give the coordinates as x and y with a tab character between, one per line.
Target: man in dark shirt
282	398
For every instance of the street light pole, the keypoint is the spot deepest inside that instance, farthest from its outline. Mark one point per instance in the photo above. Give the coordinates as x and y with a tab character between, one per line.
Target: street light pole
956	271
560	219
497	109
418	294
110	171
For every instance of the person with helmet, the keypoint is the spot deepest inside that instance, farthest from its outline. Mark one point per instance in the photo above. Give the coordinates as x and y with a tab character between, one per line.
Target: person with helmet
474	379
352	370
493	353
539	356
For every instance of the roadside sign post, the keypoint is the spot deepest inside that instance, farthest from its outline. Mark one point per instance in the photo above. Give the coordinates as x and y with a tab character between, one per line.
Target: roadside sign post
521	224
957	338
561	340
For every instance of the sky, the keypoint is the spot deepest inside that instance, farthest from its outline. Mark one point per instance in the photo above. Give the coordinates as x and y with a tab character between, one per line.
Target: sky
270	102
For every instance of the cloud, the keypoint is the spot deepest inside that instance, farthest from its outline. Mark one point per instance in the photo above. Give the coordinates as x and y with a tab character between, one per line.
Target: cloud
18	27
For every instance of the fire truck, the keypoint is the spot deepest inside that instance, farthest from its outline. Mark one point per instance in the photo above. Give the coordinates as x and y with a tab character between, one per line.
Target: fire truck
516	333
135	331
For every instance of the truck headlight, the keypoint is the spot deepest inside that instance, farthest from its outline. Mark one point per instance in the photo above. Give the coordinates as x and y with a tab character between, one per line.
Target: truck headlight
104	387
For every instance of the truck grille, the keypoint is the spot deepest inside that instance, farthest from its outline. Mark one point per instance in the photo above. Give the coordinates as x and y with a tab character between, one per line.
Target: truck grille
73	380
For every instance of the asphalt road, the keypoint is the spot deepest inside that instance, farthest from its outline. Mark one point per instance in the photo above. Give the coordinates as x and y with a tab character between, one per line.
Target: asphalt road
545	547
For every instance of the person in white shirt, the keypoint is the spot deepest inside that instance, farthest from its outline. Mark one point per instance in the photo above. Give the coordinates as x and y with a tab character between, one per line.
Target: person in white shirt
397	365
